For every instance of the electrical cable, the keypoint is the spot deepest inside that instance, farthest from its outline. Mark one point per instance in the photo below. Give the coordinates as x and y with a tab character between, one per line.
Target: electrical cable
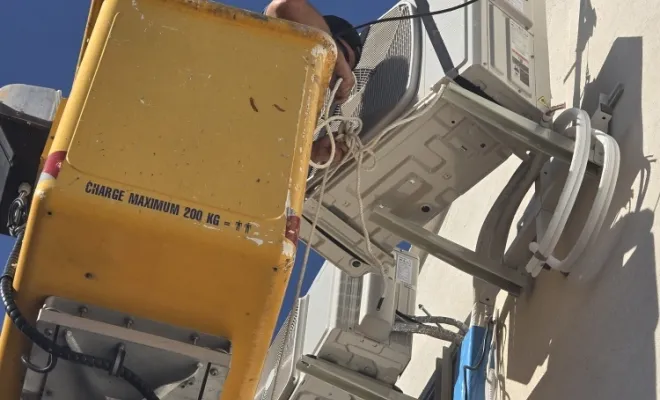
414	16
432	331
461	326
406	317
308	248
493	363
357	151
49	346
438	331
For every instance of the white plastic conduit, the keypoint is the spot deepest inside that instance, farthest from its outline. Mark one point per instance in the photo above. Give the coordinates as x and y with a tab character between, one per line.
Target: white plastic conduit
601	204
582	130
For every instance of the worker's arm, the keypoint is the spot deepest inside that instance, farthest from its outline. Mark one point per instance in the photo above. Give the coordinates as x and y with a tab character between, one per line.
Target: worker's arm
302	12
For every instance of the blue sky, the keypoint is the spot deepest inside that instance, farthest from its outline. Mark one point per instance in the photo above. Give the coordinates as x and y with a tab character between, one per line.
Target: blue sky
44	45
46	35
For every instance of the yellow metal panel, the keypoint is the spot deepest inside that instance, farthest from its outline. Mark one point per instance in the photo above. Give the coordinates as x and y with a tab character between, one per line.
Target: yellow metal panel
187	138
194	133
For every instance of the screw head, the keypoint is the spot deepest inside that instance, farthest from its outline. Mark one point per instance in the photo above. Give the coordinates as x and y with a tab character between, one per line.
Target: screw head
194	338
214	372
48	332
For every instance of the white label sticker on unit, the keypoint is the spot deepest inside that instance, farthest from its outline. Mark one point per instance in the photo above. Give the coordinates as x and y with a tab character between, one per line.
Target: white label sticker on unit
520	53
404	270
517	4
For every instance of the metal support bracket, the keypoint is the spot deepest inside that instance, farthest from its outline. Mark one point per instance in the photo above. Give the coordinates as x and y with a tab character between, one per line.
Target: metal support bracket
530	133
134	336
464	259
349	381
327	230
177	362
606	103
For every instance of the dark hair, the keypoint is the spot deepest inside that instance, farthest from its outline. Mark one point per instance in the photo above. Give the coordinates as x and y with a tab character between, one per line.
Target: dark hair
340	28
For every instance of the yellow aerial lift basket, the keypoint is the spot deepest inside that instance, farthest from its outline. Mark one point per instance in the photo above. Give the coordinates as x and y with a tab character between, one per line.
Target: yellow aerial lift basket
176	175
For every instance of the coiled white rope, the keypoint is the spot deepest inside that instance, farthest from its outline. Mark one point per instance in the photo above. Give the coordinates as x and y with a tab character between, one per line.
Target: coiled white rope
349	132
325	123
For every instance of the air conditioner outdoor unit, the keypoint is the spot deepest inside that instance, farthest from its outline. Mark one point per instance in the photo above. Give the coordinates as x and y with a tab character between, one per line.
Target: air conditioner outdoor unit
330	323
493	48
497	49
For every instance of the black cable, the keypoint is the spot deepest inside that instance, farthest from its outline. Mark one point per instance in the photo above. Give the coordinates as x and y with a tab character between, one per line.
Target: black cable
49	346
407	317
479	362
17	214
51	363
413	16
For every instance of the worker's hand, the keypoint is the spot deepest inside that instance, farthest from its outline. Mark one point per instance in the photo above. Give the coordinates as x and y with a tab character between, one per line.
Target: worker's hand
343	70
322	148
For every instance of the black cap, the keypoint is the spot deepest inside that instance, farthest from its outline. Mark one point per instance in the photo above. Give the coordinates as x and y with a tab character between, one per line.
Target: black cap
340	28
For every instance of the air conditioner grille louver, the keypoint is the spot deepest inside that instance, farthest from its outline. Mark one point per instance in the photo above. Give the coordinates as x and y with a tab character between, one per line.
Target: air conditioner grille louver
383	74
350	296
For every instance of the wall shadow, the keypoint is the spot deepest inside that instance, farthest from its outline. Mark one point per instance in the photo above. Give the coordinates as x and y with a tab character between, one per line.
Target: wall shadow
595	340
586	23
